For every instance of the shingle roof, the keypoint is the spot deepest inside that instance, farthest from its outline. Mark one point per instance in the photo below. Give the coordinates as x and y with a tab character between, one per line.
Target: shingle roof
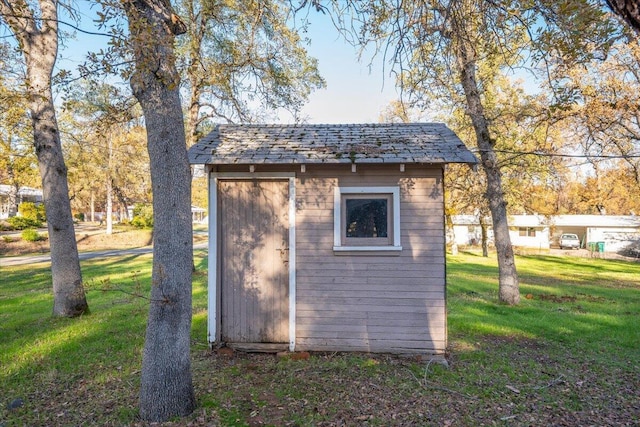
343	143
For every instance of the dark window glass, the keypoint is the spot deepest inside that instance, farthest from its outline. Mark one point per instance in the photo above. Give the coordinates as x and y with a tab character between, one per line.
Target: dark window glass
366	217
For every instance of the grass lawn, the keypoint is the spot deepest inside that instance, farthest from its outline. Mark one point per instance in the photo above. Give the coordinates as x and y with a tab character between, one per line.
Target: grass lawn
568	355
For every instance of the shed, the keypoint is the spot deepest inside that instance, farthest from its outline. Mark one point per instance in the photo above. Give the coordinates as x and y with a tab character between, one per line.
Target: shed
328	237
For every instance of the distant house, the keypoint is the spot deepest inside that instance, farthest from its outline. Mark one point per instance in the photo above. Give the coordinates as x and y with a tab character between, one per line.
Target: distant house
198	215
328	237
466	230
618	233
529	231
24	194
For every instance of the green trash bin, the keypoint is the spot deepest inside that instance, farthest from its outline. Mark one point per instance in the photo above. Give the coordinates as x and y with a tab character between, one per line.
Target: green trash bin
592	246
600	247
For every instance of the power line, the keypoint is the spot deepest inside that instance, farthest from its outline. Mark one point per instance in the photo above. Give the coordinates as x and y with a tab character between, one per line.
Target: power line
569	156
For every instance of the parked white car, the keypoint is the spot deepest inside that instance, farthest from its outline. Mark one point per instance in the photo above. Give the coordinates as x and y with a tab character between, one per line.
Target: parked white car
569	241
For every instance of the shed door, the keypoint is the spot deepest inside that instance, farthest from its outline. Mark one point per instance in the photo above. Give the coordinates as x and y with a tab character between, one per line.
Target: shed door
254	272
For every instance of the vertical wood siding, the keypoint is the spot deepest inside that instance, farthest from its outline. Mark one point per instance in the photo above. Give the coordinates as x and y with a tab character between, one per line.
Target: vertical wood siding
254	277
384	303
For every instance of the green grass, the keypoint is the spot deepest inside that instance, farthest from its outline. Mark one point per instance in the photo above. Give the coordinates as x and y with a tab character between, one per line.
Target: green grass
568	354
583	303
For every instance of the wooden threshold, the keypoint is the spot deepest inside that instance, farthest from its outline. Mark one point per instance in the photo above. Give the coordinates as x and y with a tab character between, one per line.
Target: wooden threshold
258	347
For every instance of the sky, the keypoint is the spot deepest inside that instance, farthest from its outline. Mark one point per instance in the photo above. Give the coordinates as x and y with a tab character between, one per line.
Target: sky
354	93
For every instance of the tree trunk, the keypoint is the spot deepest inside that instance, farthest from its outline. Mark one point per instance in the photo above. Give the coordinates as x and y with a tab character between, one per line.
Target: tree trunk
198	29
12	201
194	113
40	48
627	10
508	287
485	237
109	207
68	291
109	186
166	388
452	233
93	207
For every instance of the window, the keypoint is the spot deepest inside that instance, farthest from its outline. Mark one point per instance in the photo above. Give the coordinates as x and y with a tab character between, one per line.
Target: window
367	219
527	231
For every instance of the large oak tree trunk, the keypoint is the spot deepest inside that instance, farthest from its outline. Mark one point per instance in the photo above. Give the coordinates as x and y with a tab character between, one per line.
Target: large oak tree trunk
508	287
166	388
629	10
39	44
68	291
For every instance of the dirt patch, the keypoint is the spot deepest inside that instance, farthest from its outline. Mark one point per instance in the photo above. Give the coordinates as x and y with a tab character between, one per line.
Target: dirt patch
88	238
12	246
557	298
117	240
561	299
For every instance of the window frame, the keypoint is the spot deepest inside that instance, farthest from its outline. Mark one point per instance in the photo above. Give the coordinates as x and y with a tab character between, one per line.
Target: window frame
527	231
341	243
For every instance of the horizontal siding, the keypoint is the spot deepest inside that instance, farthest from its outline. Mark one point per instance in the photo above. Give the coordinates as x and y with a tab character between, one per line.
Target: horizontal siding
390	345
347	270
371	302
400	319
385	264
368	284
392	294
325	237
362	333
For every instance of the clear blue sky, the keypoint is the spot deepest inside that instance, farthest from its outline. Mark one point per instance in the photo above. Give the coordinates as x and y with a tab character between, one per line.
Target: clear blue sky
355	92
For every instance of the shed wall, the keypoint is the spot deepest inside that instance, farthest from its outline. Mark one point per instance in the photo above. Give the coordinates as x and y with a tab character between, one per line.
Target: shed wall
369	302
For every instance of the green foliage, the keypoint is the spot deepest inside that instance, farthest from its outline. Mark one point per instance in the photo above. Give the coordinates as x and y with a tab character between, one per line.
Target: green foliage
142	216
264	57
32	211
79	216
31	235
17	157
21	223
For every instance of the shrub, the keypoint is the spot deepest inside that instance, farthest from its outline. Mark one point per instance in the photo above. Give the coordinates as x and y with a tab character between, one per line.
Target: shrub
32	211
79	216
21	222
30	235
142	216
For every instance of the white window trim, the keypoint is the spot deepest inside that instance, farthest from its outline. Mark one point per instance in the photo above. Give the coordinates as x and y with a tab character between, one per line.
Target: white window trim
337	218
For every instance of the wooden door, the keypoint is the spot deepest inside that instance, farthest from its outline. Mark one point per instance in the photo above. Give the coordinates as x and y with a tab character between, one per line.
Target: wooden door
254	272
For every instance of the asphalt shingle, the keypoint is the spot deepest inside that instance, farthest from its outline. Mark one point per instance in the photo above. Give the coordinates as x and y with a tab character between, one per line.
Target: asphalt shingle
329	143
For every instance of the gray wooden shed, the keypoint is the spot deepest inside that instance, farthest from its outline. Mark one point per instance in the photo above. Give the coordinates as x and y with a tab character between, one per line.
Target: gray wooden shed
328	237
